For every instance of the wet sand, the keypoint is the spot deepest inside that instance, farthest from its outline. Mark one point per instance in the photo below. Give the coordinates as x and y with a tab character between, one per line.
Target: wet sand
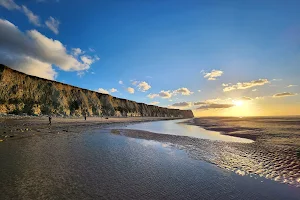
69	160
16	127
274	162
273	155
101	165
271	130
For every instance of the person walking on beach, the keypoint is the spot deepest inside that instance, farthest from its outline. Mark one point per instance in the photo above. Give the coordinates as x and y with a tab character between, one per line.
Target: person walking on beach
50	118
85	117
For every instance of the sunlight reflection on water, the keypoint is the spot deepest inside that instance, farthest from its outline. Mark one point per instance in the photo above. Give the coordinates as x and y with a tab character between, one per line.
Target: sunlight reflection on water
175	127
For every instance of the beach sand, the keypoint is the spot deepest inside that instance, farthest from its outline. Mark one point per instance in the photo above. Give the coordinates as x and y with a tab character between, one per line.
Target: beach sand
97	164
273	155
16	127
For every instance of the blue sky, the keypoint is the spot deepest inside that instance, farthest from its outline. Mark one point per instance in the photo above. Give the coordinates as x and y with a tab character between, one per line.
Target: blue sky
170	45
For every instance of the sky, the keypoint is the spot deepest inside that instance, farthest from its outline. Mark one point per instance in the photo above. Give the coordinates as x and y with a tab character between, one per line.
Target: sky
217	58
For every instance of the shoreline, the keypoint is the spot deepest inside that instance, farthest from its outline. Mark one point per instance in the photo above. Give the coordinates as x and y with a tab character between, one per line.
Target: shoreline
274	131
225	130
14	126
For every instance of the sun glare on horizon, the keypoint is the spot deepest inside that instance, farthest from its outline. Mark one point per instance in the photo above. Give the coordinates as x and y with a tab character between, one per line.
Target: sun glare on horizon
238	103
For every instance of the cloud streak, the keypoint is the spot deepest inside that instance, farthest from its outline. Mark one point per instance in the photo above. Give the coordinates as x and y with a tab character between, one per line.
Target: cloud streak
9	4
244	85
215	106
166	94
53	24
244	98
182	104
34	19
284	94
183	91
292	85
213	75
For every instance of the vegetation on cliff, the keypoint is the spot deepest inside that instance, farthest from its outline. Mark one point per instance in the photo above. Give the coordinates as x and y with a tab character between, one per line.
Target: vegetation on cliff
22	93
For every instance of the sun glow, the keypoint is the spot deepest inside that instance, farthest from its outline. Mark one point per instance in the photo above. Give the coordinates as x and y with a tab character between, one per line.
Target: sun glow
238	103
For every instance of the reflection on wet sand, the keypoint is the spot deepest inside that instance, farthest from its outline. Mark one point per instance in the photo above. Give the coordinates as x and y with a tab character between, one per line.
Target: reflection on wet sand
176	127
273	155
100	165
278	163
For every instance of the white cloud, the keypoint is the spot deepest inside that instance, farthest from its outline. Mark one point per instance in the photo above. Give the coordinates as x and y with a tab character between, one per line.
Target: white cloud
77	51
165	94
34	19
35	46
154	103
96	57
284	94
121	82
87	60
213	74
162	94
259	98
199	90
292	85
9	4
130	90
103	91
29	65
151	96
53	24
80	74
245	85
143	86
182	104
183	91
277	79
134	82
112	90
91	49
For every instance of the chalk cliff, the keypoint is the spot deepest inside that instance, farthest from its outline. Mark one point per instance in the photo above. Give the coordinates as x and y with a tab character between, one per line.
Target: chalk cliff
22	93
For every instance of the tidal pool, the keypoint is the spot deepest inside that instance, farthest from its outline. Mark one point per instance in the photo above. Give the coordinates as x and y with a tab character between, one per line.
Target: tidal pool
176	127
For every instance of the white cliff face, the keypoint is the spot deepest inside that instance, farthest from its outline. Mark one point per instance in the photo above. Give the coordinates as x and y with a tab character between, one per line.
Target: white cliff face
22	93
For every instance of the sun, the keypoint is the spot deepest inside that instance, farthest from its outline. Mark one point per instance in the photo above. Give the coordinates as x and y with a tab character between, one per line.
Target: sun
238	103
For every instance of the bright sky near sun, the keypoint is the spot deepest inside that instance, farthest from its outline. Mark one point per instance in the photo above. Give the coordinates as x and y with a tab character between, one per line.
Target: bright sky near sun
231	58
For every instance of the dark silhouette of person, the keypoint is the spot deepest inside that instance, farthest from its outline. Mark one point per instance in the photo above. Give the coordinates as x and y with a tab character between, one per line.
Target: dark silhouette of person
85	117
50	118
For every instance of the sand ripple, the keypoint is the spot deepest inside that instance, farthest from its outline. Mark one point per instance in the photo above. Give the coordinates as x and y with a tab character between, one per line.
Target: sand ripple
275	162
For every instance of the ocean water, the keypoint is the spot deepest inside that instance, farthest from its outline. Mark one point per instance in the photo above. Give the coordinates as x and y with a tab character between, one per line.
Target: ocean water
176	127
101	165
